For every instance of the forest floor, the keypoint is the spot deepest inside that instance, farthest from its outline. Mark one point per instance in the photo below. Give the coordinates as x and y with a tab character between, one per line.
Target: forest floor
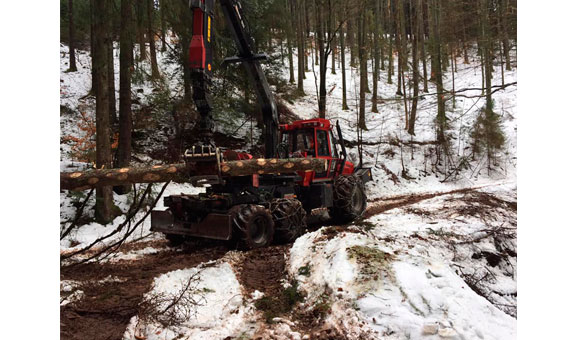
434	257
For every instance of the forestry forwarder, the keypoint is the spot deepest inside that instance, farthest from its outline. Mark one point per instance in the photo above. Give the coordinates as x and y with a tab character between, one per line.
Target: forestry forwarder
258	209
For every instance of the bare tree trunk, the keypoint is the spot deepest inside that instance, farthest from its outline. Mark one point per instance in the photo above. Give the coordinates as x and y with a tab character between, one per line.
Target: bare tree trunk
152	40
487	55
503	19
300	45
376	35
92	48
415	47
320	39
290	27
104	202
163	24
111	74
421	34
71	30
361	36
390	46
126	62
343	66
441	120
140	10
398	47
332	29
351	43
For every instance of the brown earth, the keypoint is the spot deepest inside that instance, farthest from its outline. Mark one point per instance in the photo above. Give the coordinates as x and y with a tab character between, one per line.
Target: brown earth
105	309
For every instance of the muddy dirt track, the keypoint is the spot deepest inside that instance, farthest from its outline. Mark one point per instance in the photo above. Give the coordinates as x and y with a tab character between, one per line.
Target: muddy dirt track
106	308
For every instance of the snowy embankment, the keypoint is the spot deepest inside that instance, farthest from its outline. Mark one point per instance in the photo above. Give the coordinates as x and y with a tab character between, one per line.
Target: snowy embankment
204	302
407	273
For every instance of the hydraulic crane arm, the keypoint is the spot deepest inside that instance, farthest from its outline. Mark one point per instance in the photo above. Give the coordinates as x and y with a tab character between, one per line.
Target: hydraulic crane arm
201	66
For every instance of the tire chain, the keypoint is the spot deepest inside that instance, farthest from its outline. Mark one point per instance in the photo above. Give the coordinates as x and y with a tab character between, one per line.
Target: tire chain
288	214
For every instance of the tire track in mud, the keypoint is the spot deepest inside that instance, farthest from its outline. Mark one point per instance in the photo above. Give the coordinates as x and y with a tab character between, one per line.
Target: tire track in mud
106	308
265	270
383	204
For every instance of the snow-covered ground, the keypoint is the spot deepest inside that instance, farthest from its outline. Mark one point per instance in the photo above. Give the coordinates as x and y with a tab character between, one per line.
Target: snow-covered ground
404	275
211	308
442	266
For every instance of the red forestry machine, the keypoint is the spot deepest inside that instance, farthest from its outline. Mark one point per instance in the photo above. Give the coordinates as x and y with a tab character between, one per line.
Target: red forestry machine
259	209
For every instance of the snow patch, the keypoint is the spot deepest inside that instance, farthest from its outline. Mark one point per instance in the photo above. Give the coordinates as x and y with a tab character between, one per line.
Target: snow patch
220	313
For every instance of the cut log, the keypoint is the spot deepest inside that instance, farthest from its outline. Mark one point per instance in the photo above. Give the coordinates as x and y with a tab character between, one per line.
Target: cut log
182	172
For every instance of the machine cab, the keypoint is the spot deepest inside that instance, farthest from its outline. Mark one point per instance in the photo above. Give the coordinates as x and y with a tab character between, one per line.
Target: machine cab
314	138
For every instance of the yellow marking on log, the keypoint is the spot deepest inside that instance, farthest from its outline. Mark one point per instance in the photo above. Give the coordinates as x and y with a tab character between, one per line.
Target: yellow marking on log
273	161
75	175
122	170
122	177
171	170
305	161
240	164
261	172
288	165
93	180
261	161
156	166
151	177
226	168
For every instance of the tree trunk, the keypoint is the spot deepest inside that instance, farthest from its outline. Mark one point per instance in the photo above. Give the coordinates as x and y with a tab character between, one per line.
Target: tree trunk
343	66
71	30
487	56
505	38
415	54
152	40
111	75
163	24
376	34
92	48
320	38
361	37
83	180
421	34
126	62
300	45
398	47
289	32
140	10
436	63
351	43
104	202
390	47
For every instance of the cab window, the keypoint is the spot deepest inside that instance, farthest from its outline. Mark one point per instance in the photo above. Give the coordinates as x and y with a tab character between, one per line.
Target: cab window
322	143
334	152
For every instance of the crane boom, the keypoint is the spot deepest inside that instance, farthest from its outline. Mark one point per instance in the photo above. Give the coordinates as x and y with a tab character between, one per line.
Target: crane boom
201	67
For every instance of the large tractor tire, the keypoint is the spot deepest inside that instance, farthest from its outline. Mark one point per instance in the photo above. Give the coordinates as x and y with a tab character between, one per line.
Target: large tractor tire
349	201
253	226
289	219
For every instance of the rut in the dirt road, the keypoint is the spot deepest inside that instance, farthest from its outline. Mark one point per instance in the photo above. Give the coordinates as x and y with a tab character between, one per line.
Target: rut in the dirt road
383	204
263	269
106	309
